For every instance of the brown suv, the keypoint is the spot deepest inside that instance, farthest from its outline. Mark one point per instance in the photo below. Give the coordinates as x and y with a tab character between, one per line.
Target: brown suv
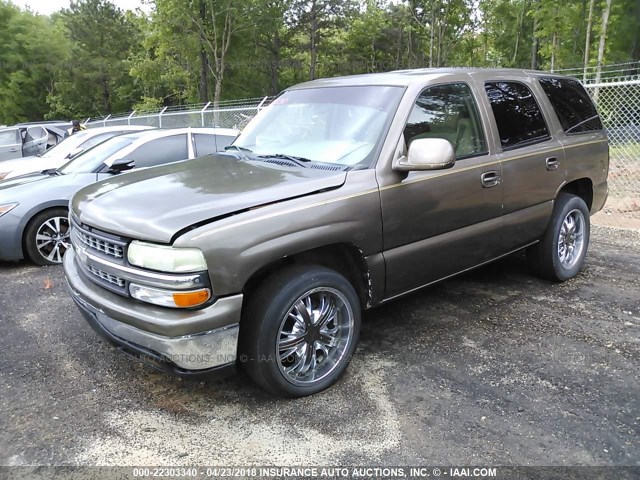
343	194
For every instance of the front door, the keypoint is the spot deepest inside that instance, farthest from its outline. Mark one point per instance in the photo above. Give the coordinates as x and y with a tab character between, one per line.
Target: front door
438	223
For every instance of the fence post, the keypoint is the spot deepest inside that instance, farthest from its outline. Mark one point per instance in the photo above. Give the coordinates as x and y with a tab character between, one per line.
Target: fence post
160	117
202	113
129	117
104	120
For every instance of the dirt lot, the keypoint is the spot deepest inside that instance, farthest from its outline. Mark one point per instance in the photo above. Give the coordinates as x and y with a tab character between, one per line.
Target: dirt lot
494	367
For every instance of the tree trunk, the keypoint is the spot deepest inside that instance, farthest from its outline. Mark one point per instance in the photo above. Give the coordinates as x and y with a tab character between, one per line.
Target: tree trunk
553	51
634	48
106	96
603	38
399	48
433	20
204	77
313	34
275	64
535	42
217	91
518	33
587	43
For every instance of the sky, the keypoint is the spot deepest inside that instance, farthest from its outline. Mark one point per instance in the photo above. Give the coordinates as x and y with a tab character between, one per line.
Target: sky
47	7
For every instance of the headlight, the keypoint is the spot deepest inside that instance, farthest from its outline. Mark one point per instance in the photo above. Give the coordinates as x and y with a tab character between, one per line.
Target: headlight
166	259
7	208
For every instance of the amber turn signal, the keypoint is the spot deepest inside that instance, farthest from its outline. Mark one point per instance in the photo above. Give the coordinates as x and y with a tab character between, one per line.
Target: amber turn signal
191	299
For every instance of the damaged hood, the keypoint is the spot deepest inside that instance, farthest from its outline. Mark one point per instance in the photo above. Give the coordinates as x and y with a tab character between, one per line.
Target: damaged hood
154	204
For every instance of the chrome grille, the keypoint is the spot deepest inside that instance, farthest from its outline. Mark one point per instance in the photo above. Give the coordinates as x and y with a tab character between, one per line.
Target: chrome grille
98	244
115	280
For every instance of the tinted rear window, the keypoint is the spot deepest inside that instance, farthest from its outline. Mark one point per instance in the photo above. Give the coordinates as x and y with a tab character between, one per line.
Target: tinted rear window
572	105
518	116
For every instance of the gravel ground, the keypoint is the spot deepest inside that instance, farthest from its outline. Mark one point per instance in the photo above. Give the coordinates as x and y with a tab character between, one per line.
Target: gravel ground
494	367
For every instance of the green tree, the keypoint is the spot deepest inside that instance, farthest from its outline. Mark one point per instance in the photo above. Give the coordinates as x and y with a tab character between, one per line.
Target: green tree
32	54
96	79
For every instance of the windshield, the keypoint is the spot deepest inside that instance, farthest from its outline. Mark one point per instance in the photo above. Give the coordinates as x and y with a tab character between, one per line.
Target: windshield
341	125
67	146
91	160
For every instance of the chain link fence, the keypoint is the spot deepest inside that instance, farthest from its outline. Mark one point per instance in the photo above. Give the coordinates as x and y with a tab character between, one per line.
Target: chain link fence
230	114
619	106
618	101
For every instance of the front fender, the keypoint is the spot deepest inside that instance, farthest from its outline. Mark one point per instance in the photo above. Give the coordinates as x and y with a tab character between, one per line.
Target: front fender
238	246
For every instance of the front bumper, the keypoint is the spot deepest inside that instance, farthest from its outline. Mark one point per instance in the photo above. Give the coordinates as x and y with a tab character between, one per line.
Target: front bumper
184	342
10	236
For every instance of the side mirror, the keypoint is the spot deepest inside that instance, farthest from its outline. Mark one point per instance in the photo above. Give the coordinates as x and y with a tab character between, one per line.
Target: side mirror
427	154
121	165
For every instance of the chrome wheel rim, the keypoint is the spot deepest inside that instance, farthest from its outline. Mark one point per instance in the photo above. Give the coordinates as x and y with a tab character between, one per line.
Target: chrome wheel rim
314	336
52	239
571	239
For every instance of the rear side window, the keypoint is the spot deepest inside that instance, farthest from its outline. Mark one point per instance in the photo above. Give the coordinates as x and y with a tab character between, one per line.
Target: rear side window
518	116
207	144
161	151
224	141
572	105
204	144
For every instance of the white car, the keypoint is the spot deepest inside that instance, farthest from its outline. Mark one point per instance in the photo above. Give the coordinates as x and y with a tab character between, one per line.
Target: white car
57	156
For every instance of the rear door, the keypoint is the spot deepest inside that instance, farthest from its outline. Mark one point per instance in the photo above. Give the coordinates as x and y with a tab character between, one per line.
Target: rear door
581	132
35	141
10	144
532	158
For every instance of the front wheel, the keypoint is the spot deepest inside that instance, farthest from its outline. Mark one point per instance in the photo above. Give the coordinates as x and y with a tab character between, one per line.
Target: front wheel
46	238
560	254
300	330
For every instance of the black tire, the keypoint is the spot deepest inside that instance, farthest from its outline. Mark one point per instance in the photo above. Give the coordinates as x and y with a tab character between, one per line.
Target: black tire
267	313
37	224
545	258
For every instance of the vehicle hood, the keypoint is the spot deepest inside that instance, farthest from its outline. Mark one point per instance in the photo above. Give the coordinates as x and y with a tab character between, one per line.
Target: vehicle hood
156	203
9	165
37	188
22	166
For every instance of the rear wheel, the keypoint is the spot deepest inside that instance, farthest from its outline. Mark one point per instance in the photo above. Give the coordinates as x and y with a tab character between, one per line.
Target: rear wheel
46	238
560	254
300	330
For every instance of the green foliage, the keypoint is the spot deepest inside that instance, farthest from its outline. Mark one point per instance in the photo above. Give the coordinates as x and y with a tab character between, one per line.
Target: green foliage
95	78
94	59
33	50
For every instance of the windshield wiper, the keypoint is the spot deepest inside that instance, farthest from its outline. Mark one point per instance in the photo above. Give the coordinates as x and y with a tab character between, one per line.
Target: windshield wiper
297	160
242	151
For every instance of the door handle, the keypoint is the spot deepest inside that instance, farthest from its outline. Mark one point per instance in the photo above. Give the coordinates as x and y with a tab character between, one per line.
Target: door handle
552	163
490	179
13	149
